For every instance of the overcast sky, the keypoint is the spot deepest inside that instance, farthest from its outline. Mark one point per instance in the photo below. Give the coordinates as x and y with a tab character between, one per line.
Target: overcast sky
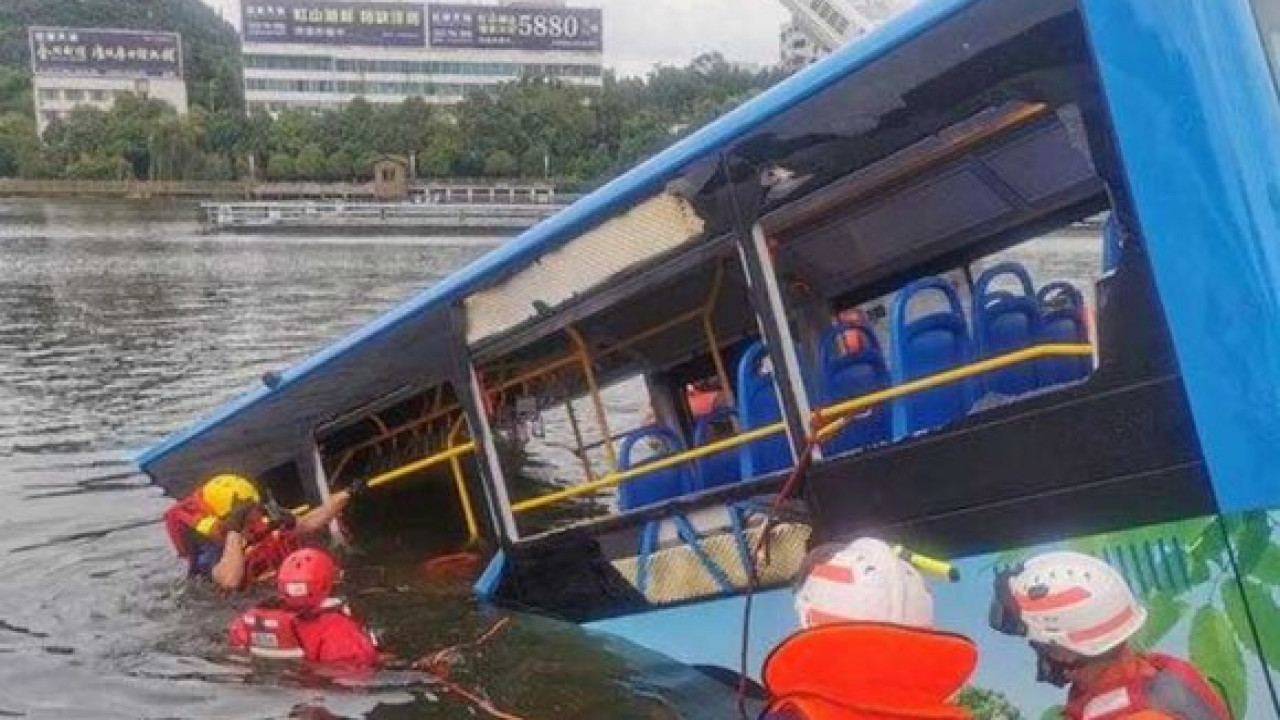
641	33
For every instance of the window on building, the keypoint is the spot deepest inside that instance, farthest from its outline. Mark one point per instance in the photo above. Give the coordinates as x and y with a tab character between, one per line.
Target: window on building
98	96
48	94
74	96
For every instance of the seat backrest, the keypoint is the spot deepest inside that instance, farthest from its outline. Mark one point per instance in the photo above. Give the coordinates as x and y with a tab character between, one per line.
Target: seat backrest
1004	322
927	345
723	468
655	487
757	407
850	374
1062	320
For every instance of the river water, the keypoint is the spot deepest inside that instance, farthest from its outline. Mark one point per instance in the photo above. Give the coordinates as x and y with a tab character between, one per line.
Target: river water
118	325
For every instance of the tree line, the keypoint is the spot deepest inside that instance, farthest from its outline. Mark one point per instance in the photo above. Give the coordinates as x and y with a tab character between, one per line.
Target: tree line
532	128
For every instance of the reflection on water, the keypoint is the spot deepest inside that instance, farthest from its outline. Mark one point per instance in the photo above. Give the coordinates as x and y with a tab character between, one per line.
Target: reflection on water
118	324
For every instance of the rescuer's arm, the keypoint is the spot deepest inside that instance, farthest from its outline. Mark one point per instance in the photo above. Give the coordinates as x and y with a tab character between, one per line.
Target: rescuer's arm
318	519
228	573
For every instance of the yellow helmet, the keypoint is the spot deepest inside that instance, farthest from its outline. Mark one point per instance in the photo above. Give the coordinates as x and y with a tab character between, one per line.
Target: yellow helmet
222	492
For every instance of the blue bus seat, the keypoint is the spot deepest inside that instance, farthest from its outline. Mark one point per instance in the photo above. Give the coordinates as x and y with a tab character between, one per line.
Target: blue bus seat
757	407
1005	322
723	468
659	486
846	375
1062	320
927	345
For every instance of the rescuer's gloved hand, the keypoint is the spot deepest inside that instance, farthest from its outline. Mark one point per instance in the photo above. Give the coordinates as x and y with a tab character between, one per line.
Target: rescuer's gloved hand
238	518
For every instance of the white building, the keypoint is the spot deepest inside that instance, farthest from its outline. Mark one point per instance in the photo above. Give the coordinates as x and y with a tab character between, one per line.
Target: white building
322	55
80	67
798	47
828	24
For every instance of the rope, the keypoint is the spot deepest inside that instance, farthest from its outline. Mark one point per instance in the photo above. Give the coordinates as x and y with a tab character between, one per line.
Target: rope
436	667
820	429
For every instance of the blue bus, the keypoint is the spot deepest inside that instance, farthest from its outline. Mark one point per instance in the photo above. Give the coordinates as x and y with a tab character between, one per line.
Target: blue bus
836	292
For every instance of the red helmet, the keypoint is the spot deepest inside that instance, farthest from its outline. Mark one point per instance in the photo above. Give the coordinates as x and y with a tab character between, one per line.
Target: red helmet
306	578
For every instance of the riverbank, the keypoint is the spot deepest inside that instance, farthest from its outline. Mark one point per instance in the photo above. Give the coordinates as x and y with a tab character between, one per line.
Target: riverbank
126	189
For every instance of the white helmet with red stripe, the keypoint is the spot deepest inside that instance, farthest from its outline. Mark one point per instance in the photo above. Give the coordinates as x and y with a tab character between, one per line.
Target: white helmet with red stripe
863	581
1076	602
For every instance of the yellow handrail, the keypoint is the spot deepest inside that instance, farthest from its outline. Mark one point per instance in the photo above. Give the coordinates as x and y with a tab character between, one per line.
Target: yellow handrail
829	414
589	372
1038	352
423	464
464	498
451	456
618	478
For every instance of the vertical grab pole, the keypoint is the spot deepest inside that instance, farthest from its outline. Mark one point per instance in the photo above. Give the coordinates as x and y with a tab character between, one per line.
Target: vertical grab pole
771	312
588	369
577	438
460	482
713	342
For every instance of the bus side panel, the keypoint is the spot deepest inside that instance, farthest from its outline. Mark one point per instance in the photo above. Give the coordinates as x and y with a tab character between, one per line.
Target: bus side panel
1251	603
1181	572
1196	114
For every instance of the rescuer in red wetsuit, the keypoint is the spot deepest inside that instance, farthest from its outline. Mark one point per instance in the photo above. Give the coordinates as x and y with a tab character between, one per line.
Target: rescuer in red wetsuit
1079	615
303	622
229	535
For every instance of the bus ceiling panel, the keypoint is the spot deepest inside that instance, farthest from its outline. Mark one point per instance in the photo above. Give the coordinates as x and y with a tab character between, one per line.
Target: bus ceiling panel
1041	164
1036	173
990	54
646	232
901	224
694	266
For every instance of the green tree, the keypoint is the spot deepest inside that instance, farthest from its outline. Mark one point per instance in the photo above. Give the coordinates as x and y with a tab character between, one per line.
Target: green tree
15	91
20	151
281	167
312	163
500	164
225	135
340	167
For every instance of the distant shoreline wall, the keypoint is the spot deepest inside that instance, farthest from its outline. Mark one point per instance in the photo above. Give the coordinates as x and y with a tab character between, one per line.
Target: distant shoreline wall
449	190
124	189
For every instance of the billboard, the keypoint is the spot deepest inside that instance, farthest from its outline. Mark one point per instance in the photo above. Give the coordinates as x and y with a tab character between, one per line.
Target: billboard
104	53
518	28
333	22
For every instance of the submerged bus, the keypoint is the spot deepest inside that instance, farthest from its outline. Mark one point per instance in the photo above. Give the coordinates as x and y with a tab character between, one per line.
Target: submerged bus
849	274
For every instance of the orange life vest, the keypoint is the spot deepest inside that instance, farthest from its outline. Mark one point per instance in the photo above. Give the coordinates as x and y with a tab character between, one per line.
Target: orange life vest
1151	683
266	548
868	671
